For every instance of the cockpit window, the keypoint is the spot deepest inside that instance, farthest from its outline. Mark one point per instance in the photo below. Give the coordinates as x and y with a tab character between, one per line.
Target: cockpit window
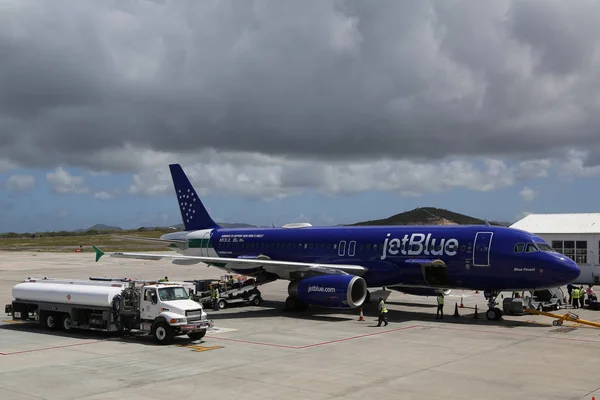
545	247
519	247
531	248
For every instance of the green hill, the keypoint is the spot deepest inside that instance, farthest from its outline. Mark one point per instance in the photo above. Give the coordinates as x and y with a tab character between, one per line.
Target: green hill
428	216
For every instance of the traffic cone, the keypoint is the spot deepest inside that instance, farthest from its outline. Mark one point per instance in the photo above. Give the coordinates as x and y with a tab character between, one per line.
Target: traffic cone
456	314
461	302
477	292
476	315
362	317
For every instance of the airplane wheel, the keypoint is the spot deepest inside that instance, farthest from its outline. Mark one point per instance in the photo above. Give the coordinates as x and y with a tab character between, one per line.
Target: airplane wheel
493	314
290	303
294	304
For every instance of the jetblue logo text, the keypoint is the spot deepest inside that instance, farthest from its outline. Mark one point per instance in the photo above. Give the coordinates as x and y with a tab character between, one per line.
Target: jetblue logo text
417	244
320	289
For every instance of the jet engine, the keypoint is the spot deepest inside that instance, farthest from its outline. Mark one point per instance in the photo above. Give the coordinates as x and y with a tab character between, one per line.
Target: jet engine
420	291
335	291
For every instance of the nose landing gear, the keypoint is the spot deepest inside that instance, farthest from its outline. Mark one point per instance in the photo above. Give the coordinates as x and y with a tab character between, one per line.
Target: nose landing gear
493	313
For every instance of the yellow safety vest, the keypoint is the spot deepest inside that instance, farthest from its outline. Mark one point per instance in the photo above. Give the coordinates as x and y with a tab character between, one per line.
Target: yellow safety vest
440	300
575	293
383	309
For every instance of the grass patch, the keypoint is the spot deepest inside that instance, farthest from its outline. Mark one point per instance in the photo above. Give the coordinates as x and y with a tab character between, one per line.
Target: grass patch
106	242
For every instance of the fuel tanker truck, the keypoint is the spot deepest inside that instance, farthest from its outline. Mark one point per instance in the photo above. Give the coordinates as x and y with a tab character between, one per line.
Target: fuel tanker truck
162	310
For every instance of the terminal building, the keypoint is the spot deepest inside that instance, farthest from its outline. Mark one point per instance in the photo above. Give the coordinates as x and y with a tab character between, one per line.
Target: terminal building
577	236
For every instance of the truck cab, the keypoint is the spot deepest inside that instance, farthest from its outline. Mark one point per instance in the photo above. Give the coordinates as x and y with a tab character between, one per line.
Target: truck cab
166	310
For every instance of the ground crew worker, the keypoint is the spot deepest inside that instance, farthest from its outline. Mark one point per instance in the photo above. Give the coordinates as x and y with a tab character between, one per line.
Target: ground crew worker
216	298
581	297
570	291
575	297
440	307
165	279
382	312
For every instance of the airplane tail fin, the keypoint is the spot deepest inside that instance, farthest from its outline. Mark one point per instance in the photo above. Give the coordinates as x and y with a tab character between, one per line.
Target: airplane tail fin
193	212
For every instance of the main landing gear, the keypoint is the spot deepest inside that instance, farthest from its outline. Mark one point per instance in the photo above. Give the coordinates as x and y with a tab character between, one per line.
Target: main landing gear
295	304
493	313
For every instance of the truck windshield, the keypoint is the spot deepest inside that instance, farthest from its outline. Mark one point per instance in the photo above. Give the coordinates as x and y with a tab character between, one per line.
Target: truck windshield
173	293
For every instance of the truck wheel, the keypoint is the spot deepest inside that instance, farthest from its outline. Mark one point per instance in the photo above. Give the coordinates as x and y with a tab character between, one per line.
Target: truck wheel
221	304
162	333
256	301
51	322
66	322
197	335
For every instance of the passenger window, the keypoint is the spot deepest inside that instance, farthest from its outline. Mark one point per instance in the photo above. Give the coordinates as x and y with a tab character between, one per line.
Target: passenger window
463	247
531	248
519	247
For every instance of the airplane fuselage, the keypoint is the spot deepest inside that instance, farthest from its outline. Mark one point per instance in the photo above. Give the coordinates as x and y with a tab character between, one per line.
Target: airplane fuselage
467	257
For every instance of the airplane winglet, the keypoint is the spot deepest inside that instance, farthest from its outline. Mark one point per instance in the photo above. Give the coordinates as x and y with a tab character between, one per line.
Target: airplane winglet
99	253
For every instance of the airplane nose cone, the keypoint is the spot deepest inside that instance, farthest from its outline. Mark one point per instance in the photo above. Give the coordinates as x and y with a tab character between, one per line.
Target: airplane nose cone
566	270
572	270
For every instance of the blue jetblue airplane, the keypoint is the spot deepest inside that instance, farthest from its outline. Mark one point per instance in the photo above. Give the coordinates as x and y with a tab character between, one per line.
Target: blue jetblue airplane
335	266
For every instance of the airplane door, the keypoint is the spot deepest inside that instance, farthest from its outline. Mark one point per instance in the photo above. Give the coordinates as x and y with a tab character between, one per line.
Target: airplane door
204	245
481	249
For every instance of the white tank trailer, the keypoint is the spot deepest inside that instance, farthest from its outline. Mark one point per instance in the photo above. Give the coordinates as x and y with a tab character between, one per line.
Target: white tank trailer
163	310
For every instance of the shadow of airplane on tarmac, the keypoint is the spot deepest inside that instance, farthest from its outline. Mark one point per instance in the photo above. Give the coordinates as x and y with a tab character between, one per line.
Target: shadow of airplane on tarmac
271	308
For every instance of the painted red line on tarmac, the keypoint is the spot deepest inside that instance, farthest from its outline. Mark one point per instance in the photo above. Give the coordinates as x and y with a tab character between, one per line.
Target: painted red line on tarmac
512	334
314	344
357	337
50	348
251	342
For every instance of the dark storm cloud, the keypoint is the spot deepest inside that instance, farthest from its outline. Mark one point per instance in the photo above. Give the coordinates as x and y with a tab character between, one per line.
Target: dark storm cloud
333	80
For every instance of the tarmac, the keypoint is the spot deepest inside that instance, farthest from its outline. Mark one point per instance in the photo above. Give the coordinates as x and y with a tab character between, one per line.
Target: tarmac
266	353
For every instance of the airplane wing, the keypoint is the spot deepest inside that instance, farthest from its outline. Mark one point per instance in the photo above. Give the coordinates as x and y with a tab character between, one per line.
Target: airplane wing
147	239
280	268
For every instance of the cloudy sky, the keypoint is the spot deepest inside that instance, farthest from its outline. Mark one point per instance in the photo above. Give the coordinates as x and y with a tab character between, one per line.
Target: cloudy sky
287	111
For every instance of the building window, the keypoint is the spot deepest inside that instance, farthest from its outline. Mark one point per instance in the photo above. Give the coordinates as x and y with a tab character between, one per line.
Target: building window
569	249
558	245
581	252
575	250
